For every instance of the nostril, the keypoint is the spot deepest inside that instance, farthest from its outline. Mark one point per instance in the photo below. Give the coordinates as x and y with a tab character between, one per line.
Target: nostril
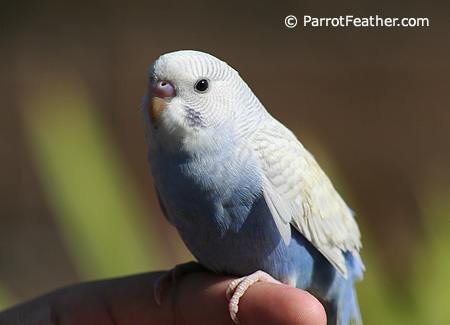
162	89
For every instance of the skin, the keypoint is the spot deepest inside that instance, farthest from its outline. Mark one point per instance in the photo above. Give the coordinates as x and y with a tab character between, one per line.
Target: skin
196	298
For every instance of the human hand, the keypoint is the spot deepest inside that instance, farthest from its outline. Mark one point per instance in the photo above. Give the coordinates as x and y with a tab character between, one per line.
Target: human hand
196	298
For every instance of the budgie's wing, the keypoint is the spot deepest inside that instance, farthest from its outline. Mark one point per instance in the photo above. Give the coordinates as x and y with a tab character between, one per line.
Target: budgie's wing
298	192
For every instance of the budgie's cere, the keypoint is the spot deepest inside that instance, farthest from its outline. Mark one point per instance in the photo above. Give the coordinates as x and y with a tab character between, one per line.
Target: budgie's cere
242	191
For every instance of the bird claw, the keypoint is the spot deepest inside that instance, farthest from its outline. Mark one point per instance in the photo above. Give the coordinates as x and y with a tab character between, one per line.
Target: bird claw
238	287
171	276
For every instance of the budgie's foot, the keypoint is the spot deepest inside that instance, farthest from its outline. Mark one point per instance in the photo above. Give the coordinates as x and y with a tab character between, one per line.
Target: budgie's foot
171	276
237	288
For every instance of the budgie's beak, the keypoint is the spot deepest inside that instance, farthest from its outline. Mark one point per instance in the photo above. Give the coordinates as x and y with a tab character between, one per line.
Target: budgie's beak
162	92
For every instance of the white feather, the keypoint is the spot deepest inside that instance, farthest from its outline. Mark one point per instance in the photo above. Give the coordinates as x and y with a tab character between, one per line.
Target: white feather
297	191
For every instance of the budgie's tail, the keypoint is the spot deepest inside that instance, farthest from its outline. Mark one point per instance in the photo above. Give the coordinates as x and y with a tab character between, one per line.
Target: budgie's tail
345	312
348	309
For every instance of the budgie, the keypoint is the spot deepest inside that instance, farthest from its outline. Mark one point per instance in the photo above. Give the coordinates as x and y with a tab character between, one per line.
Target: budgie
243	193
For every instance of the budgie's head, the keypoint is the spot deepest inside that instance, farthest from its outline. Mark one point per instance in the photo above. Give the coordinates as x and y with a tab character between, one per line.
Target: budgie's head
194	97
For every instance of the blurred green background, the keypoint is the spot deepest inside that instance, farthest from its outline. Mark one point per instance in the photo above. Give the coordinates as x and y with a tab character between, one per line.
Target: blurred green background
372	104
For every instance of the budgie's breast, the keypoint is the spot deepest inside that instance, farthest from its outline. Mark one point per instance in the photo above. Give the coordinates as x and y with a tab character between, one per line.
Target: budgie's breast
216	204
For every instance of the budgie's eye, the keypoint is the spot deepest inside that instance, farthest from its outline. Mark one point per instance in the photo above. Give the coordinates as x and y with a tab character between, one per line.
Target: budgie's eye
202	85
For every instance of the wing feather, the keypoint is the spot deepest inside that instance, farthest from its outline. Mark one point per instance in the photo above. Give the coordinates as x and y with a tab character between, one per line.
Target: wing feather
298	192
